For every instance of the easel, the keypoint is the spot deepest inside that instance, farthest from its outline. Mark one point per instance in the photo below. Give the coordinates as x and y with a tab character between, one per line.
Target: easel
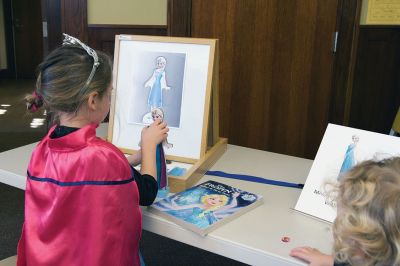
216	146
211	146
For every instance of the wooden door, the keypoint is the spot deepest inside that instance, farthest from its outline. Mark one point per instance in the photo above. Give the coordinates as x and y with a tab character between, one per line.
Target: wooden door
375	96
276	65
27	36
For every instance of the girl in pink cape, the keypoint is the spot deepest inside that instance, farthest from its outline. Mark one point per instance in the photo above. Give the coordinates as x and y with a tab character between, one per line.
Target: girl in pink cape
82	194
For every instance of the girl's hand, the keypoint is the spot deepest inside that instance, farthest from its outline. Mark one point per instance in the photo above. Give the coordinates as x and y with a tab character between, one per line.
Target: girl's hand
313	256
151	137
154	134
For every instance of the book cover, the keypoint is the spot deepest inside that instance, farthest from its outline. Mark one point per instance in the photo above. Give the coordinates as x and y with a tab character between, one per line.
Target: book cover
341	148
206	206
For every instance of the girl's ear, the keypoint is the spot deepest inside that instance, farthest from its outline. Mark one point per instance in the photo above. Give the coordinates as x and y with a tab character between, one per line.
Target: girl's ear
93	100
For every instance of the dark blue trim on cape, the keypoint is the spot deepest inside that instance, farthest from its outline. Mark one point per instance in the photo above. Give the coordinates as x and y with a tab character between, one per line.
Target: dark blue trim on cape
79	183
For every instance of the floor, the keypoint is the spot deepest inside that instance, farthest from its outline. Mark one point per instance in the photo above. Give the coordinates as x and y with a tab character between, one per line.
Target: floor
19	128
15	121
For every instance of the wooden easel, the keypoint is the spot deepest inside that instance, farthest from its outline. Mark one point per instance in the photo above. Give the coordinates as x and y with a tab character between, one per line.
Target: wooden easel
212	146
216	146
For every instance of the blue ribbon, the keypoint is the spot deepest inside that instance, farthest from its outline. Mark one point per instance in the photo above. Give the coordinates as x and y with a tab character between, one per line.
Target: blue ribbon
254	179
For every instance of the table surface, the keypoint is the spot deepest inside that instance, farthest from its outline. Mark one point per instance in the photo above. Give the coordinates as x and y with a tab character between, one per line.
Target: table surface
254	238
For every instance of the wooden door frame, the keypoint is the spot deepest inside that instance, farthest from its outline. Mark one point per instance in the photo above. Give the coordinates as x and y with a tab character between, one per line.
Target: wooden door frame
51	13
10	72
348	27
179	17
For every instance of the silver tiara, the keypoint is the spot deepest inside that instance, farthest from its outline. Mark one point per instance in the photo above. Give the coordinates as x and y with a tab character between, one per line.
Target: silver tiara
69	40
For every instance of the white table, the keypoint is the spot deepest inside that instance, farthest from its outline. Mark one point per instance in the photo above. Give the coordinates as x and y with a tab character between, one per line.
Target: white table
253	238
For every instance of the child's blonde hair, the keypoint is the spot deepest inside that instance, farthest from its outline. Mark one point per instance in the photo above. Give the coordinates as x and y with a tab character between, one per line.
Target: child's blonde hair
367	227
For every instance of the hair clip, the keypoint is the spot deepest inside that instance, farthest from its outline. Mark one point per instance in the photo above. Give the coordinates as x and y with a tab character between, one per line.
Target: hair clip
69	40
34	102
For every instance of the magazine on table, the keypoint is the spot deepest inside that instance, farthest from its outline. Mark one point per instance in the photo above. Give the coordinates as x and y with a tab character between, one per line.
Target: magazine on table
206	206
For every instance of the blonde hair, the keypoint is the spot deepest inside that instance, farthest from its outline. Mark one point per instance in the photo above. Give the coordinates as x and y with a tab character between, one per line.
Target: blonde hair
367	227
158	111
222	197
206	197
161	59
62	76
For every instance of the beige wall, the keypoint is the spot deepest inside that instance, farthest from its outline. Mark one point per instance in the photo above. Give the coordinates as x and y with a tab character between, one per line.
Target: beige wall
3	52
387	19
364	10
127	12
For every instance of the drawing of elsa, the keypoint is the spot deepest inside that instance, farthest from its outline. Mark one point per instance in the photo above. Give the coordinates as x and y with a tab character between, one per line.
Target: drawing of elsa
349	158
206	212
157	83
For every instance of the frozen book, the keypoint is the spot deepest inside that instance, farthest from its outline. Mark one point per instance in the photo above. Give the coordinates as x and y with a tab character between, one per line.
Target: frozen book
206	206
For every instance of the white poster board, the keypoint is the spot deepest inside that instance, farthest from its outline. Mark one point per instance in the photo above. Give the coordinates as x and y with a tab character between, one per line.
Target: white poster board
182	88
341	147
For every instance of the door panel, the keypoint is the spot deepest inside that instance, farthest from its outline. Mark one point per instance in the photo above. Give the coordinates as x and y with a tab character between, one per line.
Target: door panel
27	36
275	70
375	97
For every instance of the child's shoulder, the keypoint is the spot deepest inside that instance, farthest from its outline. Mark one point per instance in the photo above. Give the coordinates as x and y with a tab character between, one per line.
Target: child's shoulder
105	146
102	151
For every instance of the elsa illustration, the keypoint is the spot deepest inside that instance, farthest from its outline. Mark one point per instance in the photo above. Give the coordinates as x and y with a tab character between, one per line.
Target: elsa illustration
157	83
206	212
349	157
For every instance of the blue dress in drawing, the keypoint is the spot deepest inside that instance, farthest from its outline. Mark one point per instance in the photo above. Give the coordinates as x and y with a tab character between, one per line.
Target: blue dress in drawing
157	83
155	96
349	158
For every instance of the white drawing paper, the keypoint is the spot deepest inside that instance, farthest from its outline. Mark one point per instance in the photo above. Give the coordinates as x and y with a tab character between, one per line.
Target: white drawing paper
340	149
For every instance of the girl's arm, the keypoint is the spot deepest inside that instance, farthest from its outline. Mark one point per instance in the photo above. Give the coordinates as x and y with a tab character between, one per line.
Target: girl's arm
164	82
135	158
230	205
175	206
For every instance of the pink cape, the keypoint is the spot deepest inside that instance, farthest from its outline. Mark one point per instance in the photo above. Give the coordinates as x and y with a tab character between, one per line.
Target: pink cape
81	204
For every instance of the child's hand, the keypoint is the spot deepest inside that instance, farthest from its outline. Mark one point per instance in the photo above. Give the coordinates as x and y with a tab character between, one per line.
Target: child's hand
154	134
313	256
151	136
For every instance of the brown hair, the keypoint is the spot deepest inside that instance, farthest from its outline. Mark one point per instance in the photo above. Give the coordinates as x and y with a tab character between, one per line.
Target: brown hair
367	227
62	76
